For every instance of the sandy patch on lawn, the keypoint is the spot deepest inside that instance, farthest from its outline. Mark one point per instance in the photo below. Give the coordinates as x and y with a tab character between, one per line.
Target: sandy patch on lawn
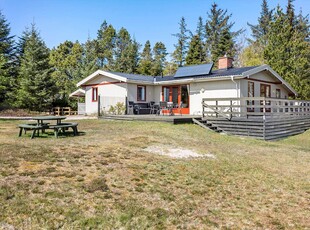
177	152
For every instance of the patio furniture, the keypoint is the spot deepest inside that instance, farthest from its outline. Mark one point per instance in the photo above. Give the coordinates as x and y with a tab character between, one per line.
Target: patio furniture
41	125
154	107
63	127
179	107
162	108
25	127
170	108
130	107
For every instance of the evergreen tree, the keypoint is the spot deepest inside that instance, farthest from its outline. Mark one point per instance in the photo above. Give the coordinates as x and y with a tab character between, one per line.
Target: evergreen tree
145	64
200	31
7	59
123	41
66	60
89	60
160	53
181	47
195	54
36	88
218	28
260	30
288	51
131	57
105	44
254	53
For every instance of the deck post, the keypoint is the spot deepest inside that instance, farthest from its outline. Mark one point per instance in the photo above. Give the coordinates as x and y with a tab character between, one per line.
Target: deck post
231	109
203	109
264	109
98	105
216	108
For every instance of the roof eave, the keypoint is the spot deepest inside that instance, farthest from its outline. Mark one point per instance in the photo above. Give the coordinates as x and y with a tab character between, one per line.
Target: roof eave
268	68
103	73
220	78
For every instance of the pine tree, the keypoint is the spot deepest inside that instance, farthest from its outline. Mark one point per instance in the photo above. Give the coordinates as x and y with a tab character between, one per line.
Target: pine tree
89	60
145	64
182	45
131	57
160	53
123	41
288	50
195	54
260	30
7	59
66	60
105	45
218	28
36	88
200	31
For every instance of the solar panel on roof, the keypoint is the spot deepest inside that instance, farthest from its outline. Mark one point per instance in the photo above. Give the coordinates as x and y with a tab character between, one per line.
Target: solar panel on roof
195	70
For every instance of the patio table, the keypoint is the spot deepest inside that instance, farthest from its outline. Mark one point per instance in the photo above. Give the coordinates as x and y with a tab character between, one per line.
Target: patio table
49	118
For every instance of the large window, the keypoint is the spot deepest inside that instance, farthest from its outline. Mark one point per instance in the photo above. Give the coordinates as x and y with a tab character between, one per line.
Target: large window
141	91
94	93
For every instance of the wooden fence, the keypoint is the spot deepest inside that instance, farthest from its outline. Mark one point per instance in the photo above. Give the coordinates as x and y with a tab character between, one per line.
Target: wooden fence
60	111
260	117
248	107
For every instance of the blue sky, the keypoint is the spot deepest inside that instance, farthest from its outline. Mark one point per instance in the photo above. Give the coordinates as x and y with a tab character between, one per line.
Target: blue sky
154	20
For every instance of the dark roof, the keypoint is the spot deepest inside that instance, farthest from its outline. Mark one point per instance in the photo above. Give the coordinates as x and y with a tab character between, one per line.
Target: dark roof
213	74
194	70
137	77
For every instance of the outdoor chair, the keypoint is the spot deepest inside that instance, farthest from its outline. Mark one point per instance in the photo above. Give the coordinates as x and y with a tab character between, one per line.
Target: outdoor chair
162	107
130	107
179	107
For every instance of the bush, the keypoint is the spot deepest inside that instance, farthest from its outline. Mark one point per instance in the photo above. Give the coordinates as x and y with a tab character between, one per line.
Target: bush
118	109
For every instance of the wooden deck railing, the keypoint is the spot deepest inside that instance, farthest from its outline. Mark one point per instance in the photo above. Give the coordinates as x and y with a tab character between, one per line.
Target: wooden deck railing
248	107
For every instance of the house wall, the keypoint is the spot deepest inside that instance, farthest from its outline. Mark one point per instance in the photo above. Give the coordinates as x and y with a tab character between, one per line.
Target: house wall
110	91
211	89
268	80
132	92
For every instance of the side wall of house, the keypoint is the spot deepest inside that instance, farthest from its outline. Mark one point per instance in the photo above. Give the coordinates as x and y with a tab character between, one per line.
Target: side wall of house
132	92
110	91
211	89
266	79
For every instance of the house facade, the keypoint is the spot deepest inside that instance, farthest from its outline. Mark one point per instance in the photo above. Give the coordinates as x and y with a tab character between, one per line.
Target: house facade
188	86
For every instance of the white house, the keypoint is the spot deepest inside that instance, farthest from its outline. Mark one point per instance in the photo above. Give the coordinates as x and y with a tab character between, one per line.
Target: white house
189	85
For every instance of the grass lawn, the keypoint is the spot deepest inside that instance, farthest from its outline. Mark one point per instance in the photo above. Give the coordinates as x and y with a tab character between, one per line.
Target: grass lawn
106	180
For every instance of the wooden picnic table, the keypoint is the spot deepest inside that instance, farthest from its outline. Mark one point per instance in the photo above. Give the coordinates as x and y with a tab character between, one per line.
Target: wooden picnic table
42	125
40	120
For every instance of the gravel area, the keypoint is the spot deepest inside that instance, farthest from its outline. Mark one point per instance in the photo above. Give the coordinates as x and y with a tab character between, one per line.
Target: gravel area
177	152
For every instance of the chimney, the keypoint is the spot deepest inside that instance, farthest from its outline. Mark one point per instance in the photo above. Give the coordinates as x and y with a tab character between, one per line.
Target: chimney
225	62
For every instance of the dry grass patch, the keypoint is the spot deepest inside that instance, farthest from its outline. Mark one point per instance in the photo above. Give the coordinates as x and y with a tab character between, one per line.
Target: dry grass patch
107	179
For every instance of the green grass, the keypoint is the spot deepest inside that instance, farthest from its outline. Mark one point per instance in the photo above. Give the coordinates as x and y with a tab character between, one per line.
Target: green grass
105	180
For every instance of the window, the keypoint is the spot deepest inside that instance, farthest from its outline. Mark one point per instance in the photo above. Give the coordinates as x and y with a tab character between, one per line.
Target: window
250	89
278	93
141	93
264	90
166	94
94	93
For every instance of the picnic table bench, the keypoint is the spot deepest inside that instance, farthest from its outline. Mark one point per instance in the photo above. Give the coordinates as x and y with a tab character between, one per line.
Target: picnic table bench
63	127
40	125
